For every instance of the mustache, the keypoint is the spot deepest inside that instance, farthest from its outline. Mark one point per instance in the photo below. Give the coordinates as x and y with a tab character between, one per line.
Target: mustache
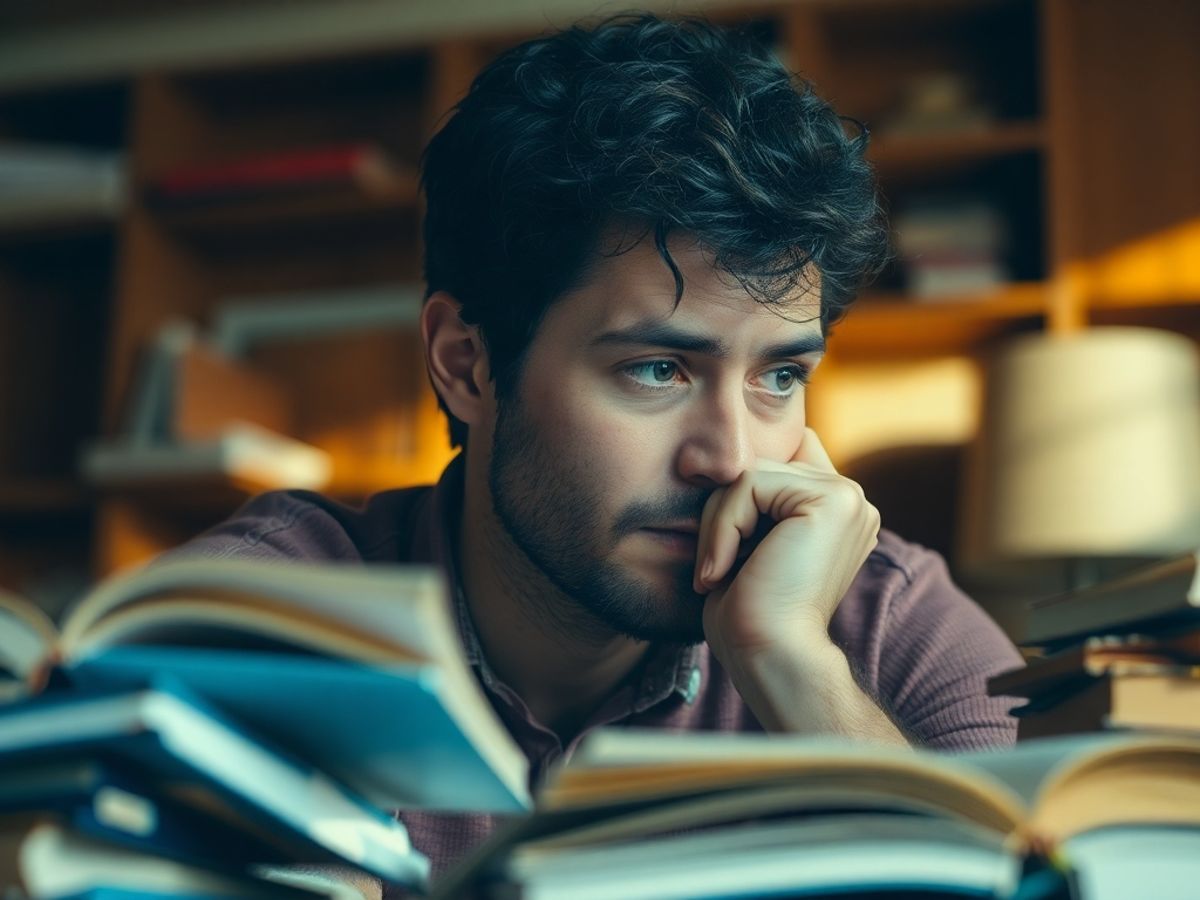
647	513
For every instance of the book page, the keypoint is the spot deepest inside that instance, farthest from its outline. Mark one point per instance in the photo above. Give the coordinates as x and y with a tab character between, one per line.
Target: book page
1081	782
221	622
27	636
401	606
614	765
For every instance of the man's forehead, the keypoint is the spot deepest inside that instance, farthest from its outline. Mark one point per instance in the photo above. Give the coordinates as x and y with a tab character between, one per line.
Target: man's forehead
642	292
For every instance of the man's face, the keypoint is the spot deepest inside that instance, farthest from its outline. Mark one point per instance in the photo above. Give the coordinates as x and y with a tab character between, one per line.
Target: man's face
630	411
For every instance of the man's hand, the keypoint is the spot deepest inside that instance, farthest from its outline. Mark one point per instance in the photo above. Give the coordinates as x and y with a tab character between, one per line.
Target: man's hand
768	621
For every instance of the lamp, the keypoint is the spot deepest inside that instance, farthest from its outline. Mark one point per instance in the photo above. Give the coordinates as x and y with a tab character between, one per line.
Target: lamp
1088	452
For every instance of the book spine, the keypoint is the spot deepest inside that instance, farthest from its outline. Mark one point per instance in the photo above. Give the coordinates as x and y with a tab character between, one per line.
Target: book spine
328	165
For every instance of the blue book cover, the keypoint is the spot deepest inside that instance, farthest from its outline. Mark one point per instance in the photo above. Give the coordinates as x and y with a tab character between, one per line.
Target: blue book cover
385	731
45	859
189	752
108	801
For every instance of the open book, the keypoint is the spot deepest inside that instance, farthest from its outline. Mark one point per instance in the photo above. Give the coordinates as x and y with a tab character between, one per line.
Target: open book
359	670
643	813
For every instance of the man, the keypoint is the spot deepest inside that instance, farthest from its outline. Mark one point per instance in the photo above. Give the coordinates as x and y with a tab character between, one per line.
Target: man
636	241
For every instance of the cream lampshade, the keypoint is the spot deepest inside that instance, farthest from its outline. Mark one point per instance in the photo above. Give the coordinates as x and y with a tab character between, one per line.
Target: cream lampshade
1088	450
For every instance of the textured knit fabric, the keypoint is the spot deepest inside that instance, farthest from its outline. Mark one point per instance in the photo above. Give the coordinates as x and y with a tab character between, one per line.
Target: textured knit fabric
917	644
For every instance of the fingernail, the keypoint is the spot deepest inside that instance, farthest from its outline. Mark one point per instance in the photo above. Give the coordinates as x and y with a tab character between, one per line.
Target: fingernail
706	571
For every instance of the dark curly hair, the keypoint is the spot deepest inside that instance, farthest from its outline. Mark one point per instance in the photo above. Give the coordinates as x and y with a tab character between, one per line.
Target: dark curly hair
656	124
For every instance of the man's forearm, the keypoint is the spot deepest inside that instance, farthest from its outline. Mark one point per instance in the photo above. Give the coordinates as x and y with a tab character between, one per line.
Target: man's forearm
811	690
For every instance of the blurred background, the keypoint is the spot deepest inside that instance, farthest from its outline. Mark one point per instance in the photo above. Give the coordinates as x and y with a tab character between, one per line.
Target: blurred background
210	266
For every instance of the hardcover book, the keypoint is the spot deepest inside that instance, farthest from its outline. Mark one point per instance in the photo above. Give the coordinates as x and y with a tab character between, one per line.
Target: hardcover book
1160	595
199	759
357	669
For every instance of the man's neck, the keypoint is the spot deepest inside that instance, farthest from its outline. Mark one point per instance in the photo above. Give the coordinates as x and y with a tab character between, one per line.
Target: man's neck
558	658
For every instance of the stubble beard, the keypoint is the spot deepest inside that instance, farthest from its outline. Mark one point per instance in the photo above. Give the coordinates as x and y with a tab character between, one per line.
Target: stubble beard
551	508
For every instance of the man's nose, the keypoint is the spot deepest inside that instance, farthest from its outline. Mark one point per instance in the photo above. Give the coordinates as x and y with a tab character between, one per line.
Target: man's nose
718	444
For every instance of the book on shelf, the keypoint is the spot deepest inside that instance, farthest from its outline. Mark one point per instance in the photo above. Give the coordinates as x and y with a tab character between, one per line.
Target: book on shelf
356	669
242	453
197	413
654	814
365	166
47	184
241	323
950	246
204	761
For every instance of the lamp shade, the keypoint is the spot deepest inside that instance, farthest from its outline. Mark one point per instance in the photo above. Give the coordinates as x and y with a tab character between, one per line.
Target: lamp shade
1089	447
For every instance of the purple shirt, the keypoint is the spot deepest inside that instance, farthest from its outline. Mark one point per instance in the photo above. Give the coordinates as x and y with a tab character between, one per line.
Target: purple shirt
917	644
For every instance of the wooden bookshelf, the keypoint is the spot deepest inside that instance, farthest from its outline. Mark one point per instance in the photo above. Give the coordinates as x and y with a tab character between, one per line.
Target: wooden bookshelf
1093	169
883	326
45	497
893	154
294	211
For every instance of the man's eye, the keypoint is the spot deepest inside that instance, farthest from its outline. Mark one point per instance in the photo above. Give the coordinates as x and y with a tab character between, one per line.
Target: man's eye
654	373
783	381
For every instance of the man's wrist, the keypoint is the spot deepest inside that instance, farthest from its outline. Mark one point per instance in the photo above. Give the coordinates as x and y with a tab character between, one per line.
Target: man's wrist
794	680
805	685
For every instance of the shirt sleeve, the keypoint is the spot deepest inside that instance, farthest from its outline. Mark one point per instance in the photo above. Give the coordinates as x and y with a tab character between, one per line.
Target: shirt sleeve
937	650
278	525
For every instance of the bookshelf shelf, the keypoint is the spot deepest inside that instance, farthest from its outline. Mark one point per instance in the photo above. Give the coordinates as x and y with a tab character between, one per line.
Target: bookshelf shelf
43	498
1168	300
346	204
892	325
1181	314
895	154
196	497
39	230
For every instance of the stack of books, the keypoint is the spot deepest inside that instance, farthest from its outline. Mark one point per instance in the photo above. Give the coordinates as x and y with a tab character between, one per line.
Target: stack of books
951	246
247	729
218	728
1122	654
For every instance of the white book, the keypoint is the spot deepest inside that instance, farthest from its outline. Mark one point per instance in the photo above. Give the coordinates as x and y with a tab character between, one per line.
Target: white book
49	184
242	322
245	452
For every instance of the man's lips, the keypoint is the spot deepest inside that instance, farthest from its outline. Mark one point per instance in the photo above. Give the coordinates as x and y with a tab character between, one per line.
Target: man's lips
679	536
686	527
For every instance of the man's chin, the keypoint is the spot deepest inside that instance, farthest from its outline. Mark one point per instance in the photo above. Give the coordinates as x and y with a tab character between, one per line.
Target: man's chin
652	611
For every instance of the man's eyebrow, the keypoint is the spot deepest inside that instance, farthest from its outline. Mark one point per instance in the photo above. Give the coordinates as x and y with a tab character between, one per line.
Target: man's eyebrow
659	334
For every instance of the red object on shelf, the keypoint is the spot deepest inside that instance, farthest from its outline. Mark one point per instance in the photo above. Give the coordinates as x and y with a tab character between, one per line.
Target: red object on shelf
362	164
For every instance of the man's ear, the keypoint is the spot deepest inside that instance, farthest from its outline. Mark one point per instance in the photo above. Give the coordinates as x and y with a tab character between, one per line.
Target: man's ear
456	357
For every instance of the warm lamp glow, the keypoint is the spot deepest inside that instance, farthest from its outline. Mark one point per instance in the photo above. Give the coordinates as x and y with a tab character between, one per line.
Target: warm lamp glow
1089	449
